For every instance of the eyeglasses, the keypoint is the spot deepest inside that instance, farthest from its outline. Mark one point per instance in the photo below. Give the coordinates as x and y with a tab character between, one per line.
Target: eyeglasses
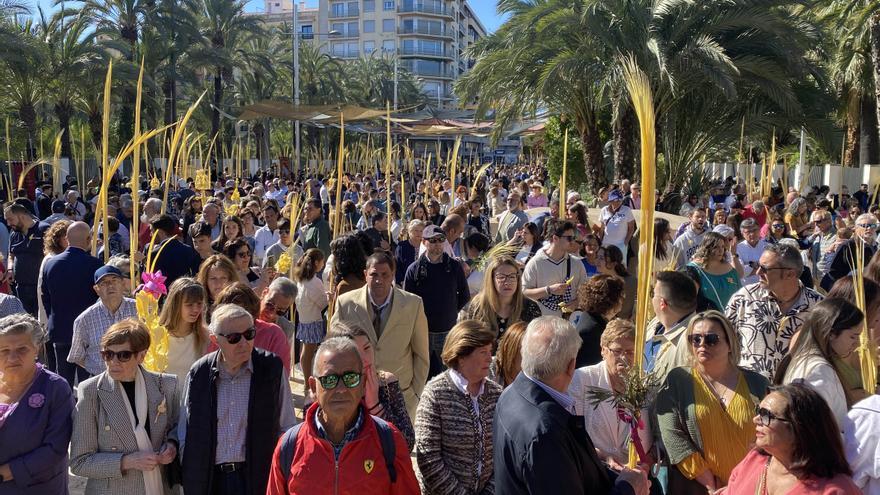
872	226
765	416
272	307
243	254
435	240
234	338
350	379
619	353
501	279
710	339
778	226
121	356
765	268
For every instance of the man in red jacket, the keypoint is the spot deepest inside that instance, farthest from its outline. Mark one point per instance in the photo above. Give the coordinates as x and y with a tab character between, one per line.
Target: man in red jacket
341	448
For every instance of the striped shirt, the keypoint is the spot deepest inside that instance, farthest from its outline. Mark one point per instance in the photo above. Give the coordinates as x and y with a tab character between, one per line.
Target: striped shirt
10	305
89	327
233	397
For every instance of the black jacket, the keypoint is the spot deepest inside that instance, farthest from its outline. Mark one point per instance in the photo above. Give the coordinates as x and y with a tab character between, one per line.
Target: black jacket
541	448
590	328
263	423
176	260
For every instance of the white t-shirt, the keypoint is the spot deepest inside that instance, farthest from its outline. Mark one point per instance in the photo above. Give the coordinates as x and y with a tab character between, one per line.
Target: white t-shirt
750	254
616	224
541	271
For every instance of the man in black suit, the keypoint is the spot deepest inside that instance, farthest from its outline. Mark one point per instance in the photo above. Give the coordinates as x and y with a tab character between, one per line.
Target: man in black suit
540	445
67	291
173	258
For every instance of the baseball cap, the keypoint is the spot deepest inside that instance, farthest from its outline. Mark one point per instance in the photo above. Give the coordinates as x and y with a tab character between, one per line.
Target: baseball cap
432	232
615	195
57	206
105	271
724	230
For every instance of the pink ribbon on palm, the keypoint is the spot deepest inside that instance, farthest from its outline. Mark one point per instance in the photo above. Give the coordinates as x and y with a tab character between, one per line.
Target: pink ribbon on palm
154	284
634	425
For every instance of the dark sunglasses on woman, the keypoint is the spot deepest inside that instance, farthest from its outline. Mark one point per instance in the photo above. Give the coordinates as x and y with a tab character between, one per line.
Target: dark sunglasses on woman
711	339
121	356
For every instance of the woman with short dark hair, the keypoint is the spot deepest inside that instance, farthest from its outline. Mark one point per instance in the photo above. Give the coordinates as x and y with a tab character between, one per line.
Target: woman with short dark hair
125	423
454	448
600	298
798	450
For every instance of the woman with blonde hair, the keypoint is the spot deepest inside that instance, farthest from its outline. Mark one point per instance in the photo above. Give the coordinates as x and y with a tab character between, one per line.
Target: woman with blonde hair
54	242
717	267
705	410
501	302
183	315
508	359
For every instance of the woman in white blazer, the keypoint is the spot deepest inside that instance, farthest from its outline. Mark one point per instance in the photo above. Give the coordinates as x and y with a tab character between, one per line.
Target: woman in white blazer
125	421
828	335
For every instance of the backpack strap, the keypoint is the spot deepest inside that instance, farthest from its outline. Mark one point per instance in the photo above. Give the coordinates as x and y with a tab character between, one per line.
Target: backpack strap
389	449
288	450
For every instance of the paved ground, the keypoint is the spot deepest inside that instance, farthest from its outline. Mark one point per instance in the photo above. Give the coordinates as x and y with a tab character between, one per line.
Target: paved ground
77	484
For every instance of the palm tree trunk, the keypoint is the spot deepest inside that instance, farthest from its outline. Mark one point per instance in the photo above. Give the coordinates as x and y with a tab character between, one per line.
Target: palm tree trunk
869	136
594	163
28	116
624	143
875	60
96	128
62	111
169	91
218	97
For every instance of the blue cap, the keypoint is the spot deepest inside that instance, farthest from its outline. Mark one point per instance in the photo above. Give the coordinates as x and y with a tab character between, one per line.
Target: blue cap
615	195
105	271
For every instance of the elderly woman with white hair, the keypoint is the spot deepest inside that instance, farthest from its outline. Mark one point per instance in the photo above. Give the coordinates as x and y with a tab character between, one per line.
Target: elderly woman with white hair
538	441
35	413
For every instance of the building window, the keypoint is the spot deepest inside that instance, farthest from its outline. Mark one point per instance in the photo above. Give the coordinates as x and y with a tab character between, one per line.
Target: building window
388	5
338	49
369	5
352	29
353	50
307	32
369	47
338	27
387	25
369	26
337	9
388	46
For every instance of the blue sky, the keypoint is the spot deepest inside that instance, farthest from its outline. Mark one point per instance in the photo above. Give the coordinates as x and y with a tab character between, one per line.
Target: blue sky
485	10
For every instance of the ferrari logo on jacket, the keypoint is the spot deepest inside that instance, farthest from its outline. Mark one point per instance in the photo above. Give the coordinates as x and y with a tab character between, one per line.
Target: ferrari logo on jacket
368	466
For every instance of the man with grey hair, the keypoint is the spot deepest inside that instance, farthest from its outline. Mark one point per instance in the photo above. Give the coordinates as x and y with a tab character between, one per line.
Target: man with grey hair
823	243
750	249
151	208
275	303
237	403
766	314
539	442
846	258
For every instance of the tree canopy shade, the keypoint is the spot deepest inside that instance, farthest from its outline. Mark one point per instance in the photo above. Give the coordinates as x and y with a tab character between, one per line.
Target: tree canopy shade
711	64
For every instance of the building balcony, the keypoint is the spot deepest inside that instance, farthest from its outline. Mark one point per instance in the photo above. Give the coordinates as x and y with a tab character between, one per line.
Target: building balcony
417	8
421	52
344	34
442	73
424	31
340	14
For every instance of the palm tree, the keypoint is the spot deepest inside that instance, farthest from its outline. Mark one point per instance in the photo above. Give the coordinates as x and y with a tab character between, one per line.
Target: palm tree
70	55
23	81
121	20
225	29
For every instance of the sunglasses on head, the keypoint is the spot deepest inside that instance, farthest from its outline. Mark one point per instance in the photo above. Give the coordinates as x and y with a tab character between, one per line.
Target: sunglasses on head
350	379
234	338
121	356
710	339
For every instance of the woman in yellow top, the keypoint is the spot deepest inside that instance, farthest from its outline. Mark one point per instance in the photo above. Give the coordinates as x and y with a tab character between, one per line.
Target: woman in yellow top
797	219
705	411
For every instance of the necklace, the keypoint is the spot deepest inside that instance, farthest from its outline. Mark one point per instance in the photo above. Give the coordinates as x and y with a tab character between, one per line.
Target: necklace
761	489
722	397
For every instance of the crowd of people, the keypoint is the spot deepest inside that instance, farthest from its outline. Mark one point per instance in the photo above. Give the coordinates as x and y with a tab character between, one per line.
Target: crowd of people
450	342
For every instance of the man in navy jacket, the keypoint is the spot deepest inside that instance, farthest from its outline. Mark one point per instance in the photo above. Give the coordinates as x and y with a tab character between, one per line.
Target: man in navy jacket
67	291
540	446
173	258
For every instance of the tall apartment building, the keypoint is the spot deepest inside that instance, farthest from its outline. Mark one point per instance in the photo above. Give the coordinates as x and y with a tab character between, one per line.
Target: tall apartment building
428	36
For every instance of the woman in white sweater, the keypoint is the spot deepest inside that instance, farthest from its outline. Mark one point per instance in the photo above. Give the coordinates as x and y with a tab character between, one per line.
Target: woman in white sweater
311	299
828	335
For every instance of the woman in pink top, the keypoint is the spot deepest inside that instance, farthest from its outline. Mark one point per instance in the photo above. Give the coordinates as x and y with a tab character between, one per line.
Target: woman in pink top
536	198
798	449
269	336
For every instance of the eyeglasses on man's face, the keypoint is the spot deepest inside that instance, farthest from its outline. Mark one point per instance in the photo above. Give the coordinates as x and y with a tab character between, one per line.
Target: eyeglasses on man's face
234	338
350	379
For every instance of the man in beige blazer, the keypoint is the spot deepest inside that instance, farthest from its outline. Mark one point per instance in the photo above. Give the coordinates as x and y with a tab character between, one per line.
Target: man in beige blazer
396	323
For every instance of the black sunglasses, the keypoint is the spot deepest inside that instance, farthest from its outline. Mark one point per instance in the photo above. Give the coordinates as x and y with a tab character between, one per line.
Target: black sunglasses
234	338
280	312
121	356
350	379
710	339
765	416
